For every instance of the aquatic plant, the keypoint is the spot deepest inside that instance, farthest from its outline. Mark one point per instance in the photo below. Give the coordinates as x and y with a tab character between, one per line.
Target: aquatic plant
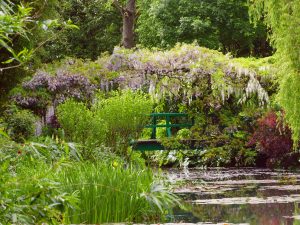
111	193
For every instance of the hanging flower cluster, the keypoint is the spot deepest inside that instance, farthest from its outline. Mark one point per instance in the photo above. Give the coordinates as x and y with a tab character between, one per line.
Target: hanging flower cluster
44	89
186	72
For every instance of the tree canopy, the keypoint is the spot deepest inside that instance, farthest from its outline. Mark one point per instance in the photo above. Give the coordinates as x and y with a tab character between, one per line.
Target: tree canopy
216	24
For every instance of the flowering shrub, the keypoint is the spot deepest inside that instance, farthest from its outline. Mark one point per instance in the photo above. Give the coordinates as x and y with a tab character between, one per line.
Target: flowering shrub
273	139
185	72
44	89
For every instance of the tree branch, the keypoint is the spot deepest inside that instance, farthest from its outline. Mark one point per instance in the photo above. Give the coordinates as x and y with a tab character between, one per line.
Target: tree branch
118	5
33	51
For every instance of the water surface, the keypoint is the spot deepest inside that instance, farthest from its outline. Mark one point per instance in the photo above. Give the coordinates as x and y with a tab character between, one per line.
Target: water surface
237	196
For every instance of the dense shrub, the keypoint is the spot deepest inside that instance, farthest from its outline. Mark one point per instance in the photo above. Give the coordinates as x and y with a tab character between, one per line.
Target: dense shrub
273	138
22	202
20	123
125	114
206	84
111	122
81	124
65	189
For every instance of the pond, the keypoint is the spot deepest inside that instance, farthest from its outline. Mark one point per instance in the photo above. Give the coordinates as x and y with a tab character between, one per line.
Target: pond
237	196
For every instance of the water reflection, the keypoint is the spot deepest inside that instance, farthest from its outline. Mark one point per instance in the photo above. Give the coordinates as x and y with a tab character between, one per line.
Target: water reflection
224	195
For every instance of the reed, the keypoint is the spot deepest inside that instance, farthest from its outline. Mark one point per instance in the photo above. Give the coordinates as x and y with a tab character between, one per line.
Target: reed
109	193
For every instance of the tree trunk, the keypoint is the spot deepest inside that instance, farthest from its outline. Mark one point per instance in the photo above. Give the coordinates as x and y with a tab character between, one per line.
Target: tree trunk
129	16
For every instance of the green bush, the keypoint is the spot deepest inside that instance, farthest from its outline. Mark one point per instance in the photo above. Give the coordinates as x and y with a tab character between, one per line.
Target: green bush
63	189
126	114
81	124
111	122
20	124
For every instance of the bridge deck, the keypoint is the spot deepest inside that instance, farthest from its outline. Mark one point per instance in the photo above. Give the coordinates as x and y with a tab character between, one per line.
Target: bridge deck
154	145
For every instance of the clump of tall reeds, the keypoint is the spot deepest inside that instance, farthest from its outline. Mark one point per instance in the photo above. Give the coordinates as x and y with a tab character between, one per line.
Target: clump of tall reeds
112	193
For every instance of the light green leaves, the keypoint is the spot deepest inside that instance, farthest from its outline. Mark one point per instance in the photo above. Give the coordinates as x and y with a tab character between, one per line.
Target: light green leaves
283	19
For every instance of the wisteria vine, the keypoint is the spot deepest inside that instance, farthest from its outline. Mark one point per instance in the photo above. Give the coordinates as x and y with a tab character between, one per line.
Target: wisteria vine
186	72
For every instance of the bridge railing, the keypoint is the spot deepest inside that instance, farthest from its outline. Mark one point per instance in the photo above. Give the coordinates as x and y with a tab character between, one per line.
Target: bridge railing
168	125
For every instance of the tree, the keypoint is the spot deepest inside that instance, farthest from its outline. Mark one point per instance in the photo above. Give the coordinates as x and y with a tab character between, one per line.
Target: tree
218	24
12	24
24	31
128	12
99	30
283	19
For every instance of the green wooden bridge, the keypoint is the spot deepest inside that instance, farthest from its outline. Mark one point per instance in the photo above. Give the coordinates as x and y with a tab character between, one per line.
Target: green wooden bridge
154	144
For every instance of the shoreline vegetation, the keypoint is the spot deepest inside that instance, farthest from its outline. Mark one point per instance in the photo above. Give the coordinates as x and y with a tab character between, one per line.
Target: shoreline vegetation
79	79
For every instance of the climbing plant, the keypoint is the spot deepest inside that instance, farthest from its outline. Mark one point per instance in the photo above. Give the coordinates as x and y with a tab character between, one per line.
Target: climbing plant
185	72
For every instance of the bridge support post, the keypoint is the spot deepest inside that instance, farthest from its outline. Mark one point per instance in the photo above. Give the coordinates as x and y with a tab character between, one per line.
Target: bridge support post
154	121
168	127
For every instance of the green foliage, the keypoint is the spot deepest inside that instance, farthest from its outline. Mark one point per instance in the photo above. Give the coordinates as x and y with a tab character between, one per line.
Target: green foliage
25	28
53	150
109	193
282	17
184	133
20	124
81	124
65	189
16	20
111	122
39	201
215	157
125	115
216	24
13	23
99	30
221	93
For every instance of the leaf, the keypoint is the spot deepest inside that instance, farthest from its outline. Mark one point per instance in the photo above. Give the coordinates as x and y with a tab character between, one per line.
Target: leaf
9	61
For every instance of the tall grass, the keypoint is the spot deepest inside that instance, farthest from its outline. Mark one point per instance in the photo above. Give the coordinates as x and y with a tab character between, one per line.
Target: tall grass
65	189
110	193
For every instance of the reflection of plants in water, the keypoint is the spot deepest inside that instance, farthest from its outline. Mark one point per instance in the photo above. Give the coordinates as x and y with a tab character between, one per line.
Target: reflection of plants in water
223	213
260	214
288	180
242	191
296	213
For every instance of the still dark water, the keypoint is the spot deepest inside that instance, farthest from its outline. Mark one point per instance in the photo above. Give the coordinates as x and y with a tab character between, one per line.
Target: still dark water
237	196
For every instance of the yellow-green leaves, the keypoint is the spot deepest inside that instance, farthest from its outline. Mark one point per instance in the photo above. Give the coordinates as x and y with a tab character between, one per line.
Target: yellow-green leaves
283	19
